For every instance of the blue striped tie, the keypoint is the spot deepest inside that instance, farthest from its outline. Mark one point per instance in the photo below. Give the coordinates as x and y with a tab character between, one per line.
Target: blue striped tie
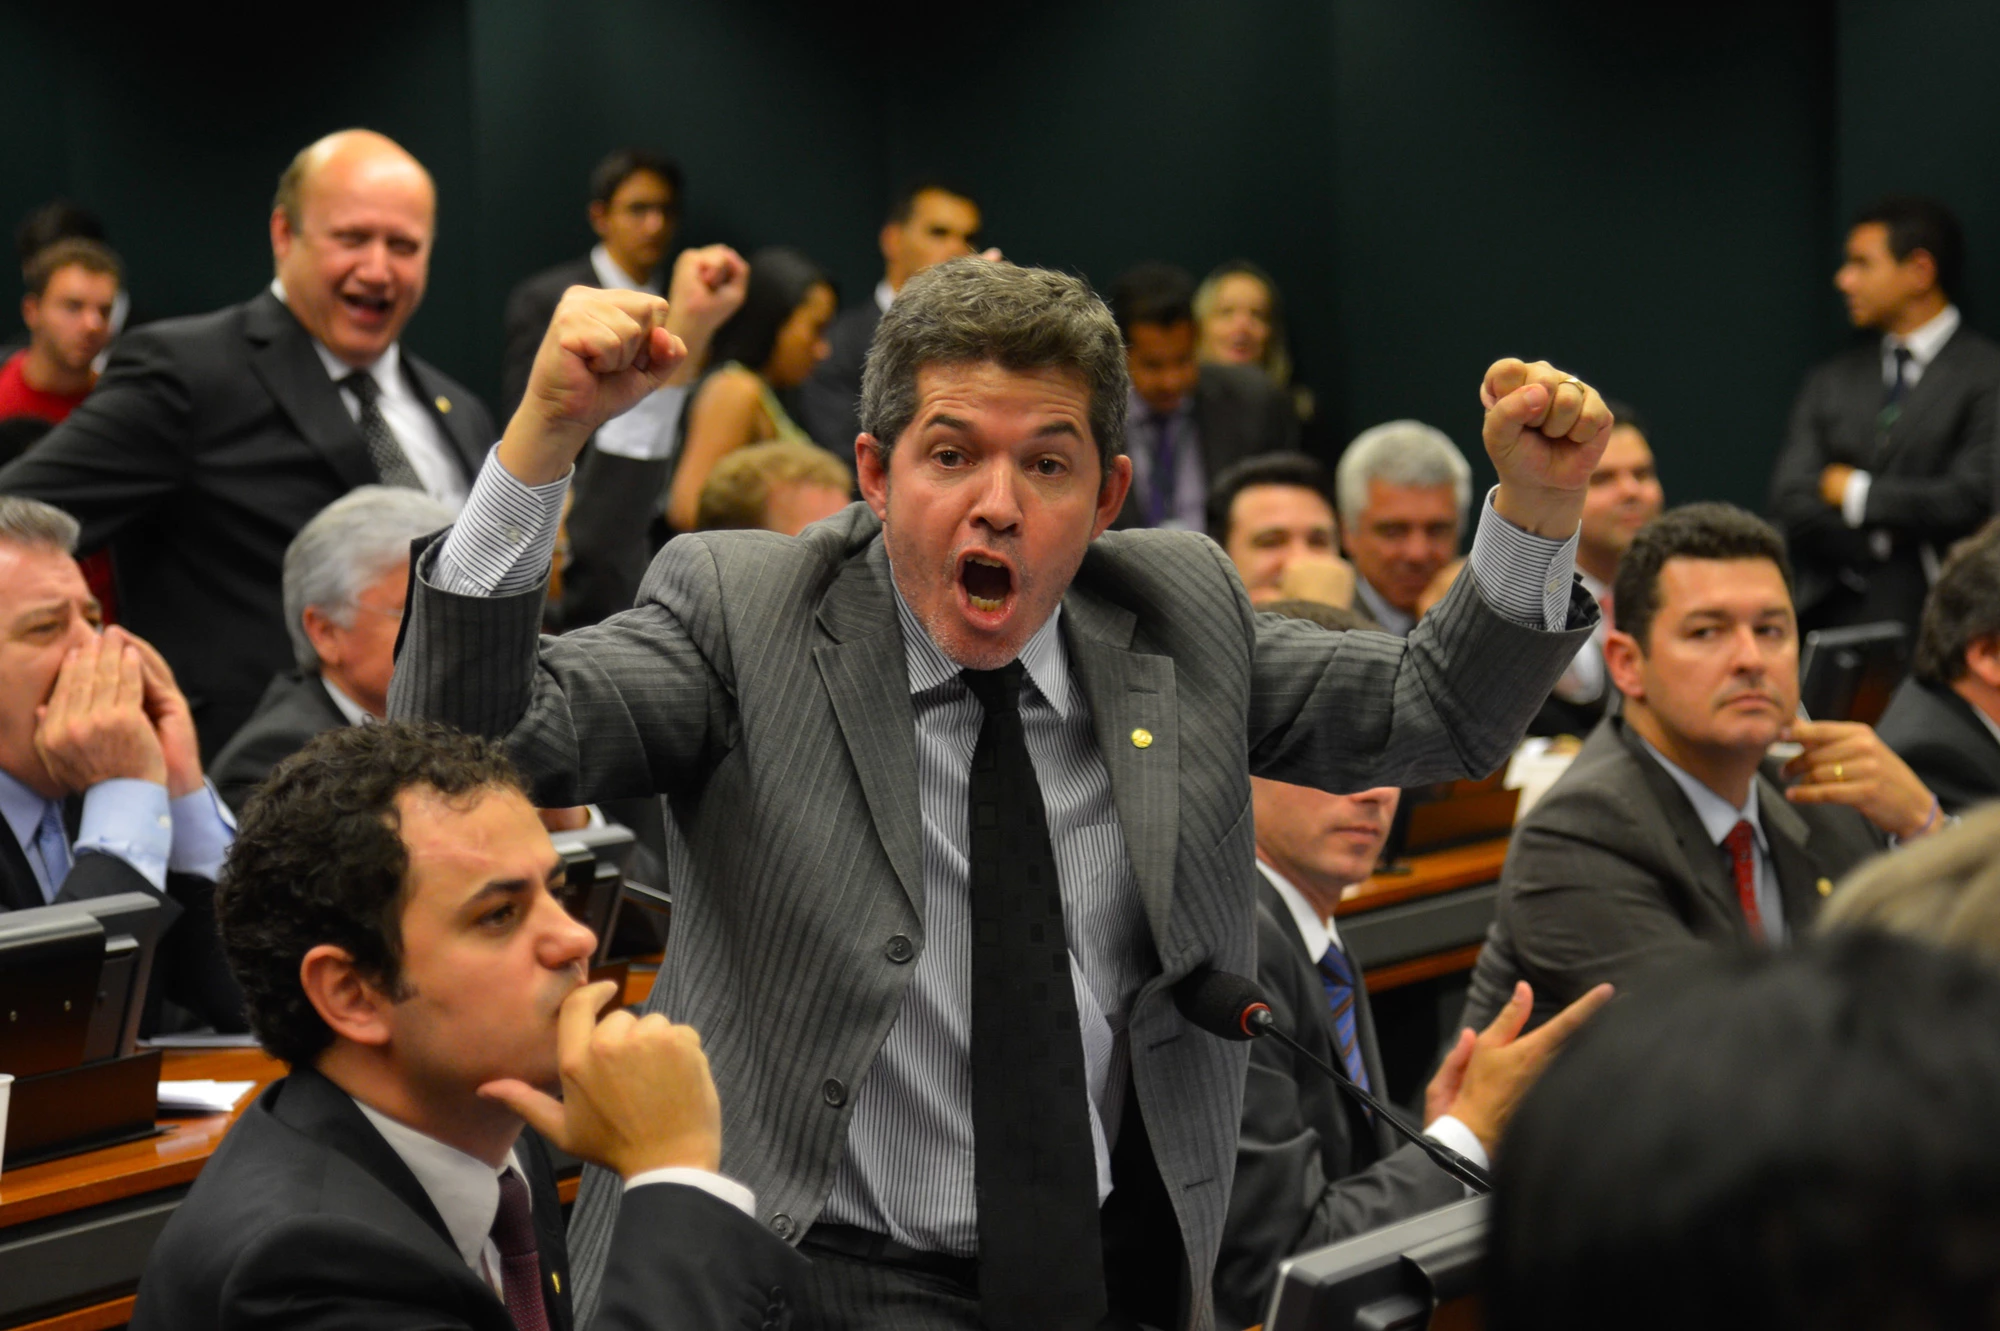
1337	975
52	849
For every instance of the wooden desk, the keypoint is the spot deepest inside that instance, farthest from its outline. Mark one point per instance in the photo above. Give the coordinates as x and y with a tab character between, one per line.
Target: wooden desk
1425	922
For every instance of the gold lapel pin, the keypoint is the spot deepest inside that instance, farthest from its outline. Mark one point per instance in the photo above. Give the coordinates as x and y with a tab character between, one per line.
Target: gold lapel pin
555	1278
1142	738
443	403
1825	886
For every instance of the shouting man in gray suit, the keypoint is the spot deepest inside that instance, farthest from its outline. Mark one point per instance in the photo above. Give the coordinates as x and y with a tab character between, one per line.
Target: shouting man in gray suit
951	743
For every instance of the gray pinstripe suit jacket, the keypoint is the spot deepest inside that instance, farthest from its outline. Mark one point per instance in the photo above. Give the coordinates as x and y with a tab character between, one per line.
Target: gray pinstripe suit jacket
759	687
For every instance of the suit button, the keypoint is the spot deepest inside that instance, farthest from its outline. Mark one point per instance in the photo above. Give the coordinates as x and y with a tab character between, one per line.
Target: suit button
835	1093
783	1225
900	949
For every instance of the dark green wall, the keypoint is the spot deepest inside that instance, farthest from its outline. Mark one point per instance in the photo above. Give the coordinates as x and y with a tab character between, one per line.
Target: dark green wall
1648	193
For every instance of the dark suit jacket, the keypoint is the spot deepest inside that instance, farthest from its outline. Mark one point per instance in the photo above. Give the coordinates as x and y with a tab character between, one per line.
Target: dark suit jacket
294	709
208	442
1310	1166
613	500
189	969
1238	413
760	687
830	400
1945	743
1612	873
304	1217
1933	477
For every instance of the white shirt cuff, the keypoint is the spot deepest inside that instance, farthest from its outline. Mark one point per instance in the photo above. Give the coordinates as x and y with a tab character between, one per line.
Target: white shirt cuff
505	539
1854	499
715	1185
649	430
1527	578
129	818
204	830
1448	1131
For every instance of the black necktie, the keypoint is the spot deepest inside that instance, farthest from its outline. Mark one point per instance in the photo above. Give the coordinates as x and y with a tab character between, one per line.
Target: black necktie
391	463
520	1258
1041	1257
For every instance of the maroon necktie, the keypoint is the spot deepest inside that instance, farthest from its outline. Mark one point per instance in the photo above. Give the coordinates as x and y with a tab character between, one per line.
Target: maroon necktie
1741	843
520	1258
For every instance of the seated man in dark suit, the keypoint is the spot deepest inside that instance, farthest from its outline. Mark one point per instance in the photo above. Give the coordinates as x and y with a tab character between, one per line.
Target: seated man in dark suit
1672	829
1311	1166
210	441
1798	1142
1944	720
346	575
1890	453
928	223
1187	421
1405	492
1272	514
388	910
101	788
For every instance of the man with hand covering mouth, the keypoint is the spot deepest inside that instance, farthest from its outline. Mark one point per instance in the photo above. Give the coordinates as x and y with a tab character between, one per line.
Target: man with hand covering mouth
952	743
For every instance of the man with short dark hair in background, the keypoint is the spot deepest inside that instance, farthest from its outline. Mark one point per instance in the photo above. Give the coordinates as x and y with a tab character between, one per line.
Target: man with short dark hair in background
1944	720
1312	1166
1890	452
1672	829
1405	492
1188	422
391	911
635	209
929	221
72	289
210	441
1273	516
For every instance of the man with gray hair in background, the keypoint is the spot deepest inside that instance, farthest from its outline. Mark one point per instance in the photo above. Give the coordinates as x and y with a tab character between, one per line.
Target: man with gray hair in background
1405	491
345	576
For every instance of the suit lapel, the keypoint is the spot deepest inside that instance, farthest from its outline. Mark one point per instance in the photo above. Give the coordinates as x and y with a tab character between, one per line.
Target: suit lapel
1924	398
282	357
1800	873
455	422
324	1113
1135	718
1702	859
868	681
19	888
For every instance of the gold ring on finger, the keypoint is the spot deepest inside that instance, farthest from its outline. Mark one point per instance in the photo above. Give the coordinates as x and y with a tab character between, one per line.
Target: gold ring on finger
1839	773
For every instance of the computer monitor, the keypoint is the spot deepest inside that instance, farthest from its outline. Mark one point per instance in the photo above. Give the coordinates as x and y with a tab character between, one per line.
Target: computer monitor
595	860
74	976
1417	1273
1849	674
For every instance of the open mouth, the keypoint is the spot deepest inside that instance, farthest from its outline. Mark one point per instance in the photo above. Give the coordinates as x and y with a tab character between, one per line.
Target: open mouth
988	584
367	309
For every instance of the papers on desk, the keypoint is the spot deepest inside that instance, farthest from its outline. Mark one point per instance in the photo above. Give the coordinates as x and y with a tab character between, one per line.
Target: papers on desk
201	1040
1535	767
203	1097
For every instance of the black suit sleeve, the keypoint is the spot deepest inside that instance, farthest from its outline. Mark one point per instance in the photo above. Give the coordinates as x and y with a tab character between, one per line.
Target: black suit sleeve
121	452
1304	1176
613	503
683	1259
1954	497
1812	527
830	400
247	759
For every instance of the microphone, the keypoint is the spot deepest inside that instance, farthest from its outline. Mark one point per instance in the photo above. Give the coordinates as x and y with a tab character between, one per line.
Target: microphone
1232	1007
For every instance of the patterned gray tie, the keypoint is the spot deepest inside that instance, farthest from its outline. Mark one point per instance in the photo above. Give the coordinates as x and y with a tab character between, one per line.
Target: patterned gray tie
391	462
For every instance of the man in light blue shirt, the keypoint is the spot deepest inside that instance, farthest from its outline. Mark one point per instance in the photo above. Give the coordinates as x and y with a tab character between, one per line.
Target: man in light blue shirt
93	728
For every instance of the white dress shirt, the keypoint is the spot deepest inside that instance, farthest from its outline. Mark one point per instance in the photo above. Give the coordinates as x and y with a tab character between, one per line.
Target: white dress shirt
1923	344
1718	817
1320	936
356	714
1388	616
884	294
651	429
424	441
1584	681
466	1190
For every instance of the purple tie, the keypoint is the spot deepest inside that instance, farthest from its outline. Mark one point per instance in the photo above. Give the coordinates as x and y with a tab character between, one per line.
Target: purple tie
1166	474
520	1258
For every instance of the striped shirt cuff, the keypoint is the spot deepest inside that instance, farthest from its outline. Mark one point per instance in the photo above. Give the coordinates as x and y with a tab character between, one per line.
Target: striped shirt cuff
505	539
1527	578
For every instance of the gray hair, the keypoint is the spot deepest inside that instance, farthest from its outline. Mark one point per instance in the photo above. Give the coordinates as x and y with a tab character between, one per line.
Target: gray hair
1943	889
1406	453
352	542
972	310
38	526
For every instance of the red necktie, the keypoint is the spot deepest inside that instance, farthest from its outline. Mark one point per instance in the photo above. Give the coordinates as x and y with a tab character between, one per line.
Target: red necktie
1741	843
520	1258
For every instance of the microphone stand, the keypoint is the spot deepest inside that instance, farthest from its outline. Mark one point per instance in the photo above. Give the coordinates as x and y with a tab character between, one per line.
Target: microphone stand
1260	1020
